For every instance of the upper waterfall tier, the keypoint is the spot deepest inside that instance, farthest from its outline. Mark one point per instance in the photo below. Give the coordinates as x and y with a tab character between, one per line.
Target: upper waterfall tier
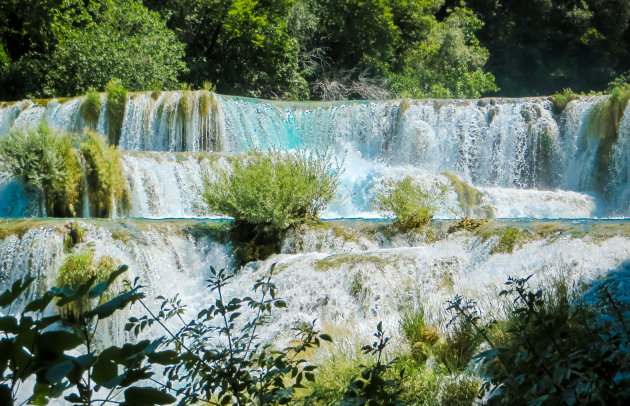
505	143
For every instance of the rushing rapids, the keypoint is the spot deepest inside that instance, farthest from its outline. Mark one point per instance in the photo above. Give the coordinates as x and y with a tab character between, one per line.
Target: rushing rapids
526	159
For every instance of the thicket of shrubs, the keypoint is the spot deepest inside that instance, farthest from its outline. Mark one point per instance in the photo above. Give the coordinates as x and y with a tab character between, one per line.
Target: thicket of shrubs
266	193
50	164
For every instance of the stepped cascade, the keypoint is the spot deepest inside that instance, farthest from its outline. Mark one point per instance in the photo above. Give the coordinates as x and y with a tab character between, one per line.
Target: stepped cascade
527	159
556	183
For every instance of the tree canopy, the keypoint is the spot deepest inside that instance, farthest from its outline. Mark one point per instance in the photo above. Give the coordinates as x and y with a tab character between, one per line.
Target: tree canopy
316	49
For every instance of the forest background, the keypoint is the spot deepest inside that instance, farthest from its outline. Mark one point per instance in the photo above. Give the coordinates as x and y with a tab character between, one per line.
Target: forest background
315	49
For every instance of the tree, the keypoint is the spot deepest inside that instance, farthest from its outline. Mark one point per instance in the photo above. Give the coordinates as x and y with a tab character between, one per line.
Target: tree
241	46
396	45
540	47
64	47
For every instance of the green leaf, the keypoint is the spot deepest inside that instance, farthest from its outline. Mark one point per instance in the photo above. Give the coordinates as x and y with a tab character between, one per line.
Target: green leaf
101	287
59	371
147	396
9	324
119	302
39	305
168	357
16	290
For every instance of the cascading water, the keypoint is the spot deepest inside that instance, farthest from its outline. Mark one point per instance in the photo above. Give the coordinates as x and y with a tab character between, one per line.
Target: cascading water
525	160
506	147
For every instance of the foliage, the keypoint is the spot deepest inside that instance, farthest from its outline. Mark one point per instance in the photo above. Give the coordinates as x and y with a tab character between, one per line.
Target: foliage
509	239
35	347
241	46
45	161
554	348
360	49
105	178
116	104
76	270
561	100
274	188
241	370
65	47
539	47
371	387
91	108
412	205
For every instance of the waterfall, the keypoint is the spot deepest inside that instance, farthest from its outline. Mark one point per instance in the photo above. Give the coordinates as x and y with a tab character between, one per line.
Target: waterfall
515	144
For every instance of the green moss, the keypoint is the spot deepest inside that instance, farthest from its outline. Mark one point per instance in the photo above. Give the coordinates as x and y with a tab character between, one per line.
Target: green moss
405	104
603	124
467	224
104	176
468	196
73	236
184	111
337	261
116	104
17	227
78	269
509	239
91	108
561	100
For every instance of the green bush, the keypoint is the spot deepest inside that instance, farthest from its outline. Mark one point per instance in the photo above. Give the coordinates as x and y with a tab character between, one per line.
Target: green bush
273	189
76	270
509	239
554	347
412	205
46	162
104	173
561	100
91	108
116	103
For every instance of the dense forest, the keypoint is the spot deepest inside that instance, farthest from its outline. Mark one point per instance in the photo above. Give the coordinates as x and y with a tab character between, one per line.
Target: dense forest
314	49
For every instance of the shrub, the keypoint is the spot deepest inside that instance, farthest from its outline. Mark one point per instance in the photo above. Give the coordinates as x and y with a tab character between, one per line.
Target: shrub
509	239
46	162
561	100
116	103
106	182
412	205
54	361
91	108
554	348
274	189
76	270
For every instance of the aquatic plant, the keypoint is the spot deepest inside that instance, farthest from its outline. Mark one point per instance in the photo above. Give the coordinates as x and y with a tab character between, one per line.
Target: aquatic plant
274	188
603	124
76	270
559	101
91	108
412	205
509	239
116	103
104	173
46	162
469	197
554	347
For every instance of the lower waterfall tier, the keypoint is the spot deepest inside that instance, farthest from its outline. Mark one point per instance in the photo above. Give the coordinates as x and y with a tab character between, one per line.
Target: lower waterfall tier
351	273
171	185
